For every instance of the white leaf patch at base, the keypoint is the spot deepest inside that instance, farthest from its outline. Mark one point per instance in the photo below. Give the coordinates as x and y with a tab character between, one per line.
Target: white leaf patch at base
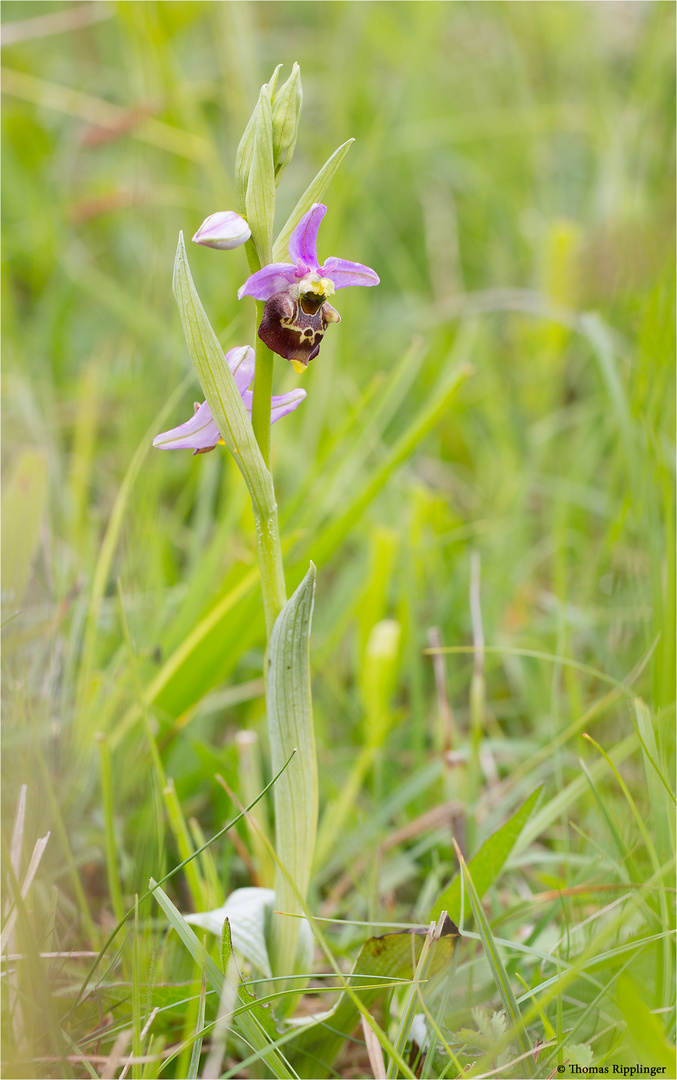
249	912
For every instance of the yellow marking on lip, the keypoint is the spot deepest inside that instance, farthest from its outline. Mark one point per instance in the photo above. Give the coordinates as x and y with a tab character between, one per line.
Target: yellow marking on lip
298	367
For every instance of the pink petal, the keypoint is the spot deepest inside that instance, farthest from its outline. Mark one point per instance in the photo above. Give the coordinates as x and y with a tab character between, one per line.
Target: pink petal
303	240
274	278
280	404
344	273
198	433
241	361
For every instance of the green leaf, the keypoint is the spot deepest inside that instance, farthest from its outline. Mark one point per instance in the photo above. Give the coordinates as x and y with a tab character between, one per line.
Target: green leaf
218	386
387	959
579	1053
312	194
644	1028
260	195
290	727
487	864
23	505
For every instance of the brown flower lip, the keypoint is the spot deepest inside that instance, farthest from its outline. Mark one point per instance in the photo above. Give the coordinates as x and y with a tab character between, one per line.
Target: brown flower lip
292	329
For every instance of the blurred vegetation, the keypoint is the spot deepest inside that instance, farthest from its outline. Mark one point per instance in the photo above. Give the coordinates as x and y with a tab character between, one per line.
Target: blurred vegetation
512	182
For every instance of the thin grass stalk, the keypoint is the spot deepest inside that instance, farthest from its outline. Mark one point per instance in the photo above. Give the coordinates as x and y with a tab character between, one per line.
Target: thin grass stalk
141	699
251	782
56	819
191	1030
251	1027
592	955
421	971
495	963
477	695
436	1032
137	1042
28	940
665	965
109	826
194	1063
209	872
85	690
177	824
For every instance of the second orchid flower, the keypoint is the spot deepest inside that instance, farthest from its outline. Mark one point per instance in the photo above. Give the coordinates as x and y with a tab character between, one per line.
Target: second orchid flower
200	434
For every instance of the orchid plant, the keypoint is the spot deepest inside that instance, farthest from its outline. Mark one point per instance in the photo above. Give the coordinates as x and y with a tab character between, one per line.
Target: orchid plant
293	314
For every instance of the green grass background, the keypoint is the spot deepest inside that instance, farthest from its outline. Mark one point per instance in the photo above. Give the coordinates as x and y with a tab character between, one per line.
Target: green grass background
512	183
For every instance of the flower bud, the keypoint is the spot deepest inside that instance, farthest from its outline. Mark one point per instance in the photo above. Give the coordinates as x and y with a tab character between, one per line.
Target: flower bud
245	150
259	198
223	230
286	110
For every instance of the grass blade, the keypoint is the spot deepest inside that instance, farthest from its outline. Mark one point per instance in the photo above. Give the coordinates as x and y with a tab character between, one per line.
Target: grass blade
313	193
487	864
496	964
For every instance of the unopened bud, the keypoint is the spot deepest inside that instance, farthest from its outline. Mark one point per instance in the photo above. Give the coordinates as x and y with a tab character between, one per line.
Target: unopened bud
259	198
286	110
223	230
245	150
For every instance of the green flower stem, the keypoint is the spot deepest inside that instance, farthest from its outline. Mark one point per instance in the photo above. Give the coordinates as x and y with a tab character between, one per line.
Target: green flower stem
263	389
270	564
267	529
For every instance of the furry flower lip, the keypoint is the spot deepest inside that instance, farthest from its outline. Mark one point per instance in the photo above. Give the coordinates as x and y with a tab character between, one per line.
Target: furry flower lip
200	434
297	310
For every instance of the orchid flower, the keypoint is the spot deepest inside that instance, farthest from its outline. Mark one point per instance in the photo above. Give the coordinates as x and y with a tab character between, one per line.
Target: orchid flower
200	434
297	313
